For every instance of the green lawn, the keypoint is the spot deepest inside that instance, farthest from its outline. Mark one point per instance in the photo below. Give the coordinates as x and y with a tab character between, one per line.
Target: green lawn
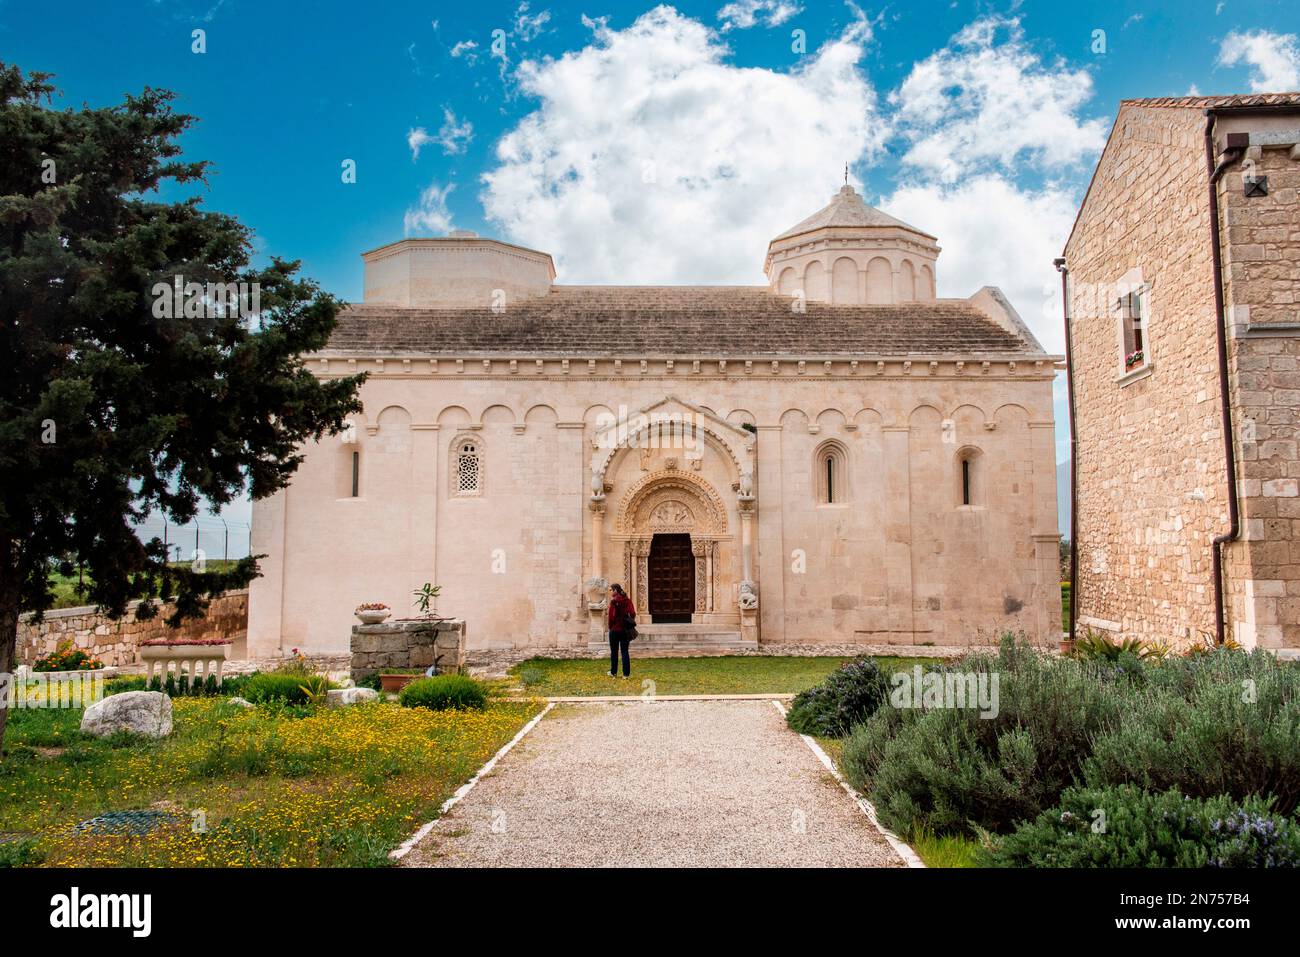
1065	606
728	674
336	787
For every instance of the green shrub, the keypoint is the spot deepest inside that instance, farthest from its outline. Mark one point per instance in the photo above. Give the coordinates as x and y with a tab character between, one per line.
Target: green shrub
444	691
1093	646
268	686
1225	723
850	694
125	683
19	853
531	675
1127	827
67	657
952	771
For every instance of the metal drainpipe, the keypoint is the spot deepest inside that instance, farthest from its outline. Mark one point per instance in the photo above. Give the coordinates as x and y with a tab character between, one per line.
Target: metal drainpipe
1230	156
1074	457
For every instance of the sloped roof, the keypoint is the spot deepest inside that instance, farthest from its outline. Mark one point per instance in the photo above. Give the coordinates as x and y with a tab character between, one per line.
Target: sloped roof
624	321
1219	102
846	208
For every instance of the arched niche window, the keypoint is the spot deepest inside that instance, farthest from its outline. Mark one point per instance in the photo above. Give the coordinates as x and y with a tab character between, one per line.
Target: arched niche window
347	482
970	477
831	473
467	466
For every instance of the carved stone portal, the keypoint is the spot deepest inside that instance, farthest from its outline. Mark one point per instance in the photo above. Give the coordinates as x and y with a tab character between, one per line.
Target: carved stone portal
672	502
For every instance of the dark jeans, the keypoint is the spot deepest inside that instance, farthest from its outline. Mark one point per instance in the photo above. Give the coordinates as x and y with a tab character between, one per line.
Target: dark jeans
618	641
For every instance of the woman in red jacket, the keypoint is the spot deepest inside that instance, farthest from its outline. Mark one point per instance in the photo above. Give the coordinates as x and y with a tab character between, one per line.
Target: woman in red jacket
622	624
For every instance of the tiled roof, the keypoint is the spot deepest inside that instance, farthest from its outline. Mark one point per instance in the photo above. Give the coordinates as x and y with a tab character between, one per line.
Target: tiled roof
616	321
846	208
1205	102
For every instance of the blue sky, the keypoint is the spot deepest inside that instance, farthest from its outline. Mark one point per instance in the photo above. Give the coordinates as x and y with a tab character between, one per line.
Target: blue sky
656	144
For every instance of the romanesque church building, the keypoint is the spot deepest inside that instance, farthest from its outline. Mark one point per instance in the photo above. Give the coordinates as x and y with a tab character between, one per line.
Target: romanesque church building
837	457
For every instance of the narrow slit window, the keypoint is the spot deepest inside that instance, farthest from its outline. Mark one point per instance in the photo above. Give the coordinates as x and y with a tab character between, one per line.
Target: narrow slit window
969	489
356	474
1132	311
830	477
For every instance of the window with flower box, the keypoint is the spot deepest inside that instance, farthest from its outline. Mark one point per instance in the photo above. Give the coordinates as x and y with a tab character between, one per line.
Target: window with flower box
1132	309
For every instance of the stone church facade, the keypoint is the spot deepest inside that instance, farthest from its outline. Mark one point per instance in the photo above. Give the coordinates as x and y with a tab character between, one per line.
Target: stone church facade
836	457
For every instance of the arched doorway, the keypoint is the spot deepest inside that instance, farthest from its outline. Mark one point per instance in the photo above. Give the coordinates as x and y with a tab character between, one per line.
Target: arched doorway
671	573
676	548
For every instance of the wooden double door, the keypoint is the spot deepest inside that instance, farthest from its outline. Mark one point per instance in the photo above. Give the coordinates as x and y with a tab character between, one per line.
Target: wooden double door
671	573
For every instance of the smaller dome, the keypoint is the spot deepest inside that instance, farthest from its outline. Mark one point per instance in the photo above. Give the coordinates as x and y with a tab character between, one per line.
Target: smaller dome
846	208
849	253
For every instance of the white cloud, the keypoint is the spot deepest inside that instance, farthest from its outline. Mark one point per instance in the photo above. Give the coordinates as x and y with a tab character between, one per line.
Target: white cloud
528	27
995	233
454	137
652	159
465	49
979	103
1274	59
416	139
743	14
430	215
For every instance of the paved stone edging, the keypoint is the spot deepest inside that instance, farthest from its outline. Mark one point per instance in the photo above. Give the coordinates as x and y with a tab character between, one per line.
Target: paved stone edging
405	848
901	847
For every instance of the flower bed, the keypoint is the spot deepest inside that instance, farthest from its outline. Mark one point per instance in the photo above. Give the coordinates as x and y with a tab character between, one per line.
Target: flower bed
336	787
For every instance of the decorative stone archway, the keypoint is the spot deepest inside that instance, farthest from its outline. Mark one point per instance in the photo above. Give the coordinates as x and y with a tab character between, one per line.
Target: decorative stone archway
676	498
673	501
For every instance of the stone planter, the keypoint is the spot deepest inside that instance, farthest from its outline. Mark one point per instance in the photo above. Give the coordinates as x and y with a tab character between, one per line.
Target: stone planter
201	658
408	643
395	683
372	616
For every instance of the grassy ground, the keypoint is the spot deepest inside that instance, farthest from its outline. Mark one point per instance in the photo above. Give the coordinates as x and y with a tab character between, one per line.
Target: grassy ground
337	787
1065	606
728	674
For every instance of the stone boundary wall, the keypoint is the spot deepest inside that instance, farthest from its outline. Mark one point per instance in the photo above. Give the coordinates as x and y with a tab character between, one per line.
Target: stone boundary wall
408	643
115	642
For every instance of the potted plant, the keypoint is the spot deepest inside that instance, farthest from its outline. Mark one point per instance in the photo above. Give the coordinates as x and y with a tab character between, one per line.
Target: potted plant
426	598
395	679
1133	359
372	612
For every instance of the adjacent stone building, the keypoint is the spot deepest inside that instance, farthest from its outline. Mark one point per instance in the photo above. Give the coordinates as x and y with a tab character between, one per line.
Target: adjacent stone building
836	457
1153	467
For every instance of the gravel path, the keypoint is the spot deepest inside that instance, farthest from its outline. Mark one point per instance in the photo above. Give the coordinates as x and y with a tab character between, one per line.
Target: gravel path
665	784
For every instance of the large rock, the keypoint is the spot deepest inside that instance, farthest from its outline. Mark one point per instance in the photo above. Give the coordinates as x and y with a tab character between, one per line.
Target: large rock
147	713
338	697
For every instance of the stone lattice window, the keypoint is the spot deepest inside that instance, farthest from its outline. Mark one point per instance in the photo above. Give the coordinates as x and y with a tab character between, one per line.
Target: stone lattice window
467	468
831	473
